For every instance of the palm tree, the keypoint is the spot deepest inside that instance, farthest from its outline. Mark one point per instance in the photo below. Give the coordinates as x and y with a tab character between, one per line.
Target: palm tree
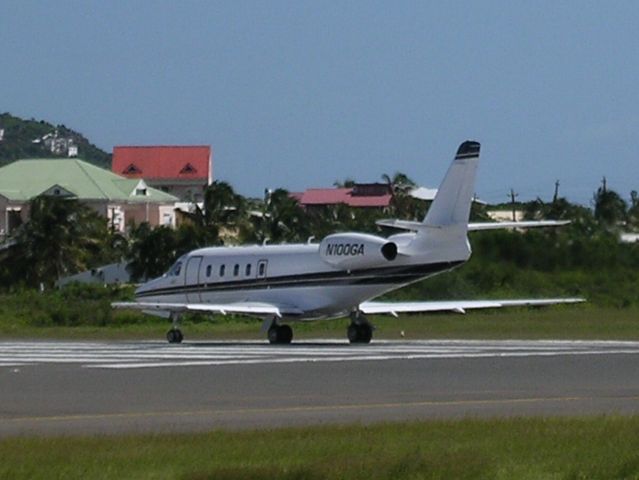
610	208
402	204
281	220
222	214
346	183
61	237
399	182
633	210
153	251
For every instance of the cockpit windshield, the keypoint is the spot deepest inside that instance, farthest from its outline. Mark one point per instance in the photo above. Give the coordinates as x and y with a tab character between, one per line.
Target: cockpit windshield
175	269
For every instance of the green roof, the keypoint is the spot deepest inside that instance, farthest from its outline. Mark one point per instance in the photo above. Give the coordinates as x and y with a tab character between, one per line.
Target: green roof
26	179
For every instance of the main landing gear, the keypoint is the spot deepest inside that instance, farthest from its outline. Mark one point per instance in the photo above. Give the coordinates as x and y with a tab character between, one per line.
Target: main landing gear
175	334
360	330
280	334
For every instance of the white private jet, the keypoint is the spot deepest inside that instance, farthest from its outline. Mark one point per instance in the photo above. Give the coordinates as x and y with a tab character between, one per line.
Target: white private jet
337	277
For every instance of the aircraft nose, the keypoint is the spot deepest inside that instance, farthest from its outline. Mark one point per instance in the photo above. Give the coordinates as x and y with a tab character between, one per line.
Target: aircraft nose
140	289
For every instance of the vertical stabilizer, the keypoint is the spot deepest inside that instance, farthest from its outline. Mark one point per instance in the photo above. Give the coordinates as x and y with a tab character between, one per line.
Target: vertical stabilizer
451	206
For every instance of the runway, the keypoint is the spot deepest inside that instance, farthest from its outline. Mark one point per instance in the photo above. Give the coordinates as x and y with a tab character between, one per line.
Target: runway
111	387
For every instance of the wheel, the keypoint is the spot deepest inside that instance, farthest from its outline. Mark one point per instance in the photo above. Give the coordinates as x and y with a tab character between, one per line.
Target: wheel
351	333
272	334
359	333
174	336
285	333
280	334
365	333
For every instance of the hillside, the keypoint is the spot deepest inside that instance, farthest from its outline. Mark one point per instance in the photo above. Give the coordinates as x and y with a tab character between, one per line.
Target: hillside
37	138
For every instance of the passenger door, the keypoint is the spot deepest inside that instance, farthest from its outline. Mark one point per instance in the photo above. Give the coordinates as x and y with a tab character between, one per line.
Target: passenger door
192	279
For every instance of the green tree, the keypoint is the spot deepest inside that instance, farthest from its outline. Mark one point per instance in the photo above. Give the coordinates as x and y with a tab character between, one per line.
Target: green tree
153	251
62	237
633	210
223	214
346	183
403	205
610	208
581	218
282	219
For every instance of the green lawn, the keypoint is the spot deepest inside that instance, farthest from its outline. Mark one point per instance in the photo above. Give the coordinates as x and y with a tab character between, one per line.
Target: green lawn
584	448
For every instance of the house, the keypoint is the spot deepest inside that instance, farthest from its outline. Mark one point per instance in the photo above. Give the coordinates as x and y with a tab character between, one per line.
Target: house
428	195
183	171
360	195
57	144
120	200
506	215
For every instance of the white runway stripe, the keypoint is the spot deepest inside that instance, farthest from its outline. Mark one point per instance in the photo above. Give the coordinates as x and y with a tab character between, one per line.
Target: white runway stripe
125	355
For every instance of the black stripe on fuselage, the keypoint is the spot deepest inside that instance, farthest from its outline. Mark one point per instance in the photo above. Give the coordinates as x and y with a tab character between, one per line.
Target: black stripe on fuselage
371	276
466	155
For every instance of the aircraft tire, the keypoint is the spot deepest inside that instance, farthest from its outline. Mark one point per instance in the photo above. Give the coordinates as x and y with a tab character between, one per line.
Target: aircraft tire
285	333
280	334
174	336
272	334
359	333
351	333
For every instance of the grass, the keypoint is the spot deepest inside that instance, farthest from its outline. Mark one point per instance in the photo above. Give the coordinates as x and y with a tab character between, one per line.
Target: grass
582	448
560	322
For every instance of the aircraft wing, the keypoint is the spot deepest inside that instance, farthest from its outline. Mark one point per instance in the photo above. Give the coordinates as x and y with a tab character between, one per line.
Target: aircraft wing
457	306
240	308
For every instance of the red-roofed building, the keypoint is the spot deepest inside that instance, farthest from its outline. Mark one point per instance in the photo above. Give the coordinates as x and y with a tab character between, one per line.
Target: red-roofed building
362	195
183	171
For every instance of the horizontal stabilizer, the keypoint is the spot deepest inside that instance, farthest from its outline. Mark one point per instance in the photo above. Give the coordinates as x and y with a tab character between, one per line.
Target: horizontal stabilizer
402	224
473	227
457	306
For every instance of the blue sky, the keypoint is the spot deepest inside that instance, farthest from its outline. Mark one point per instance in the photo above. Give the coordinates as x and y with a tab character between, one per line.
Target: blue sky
300	94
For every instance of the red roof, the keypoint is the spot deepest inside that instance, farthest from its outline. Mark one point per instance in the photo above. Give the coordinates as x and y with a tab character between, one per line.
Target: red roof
333	196
164	162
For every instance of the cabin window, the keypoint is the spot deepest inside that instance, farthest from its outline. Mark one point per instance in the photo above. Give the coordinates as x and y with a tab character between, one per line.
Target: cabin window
236	270
261	269
208	270
222	269
248	269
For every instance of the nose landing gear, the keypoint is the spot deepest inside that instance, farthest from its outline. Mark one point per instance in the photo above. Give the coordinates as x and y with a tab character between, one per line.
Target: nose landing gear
175	334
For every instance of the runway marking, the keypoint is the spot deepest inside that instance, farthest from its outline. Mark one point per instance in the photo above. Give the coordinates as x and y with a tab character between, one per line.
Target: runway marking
305	408
127	355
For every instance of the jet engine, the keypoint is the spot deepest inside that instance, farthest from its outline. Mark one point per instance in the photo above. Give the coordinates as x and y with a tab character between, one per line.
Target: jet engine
357	250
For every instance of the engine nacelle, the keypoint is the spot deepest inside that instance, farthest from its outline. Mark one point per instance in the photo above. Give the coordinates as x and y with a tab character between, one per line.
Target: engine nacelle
357	250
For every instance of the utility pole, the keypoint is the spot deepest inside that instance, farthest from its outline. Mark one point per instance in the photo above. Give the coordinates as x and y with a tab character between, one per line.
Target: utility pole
513	196
604	185
556	195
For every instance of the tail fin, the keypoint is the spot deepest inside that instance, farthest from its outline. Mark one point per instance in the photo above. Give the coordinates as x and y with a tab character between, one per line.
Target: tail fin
451	205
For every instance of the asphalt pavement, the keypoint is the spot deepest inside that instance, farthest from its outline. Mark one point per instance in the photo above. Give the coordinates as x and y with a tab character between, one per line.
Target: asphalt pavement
112	387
